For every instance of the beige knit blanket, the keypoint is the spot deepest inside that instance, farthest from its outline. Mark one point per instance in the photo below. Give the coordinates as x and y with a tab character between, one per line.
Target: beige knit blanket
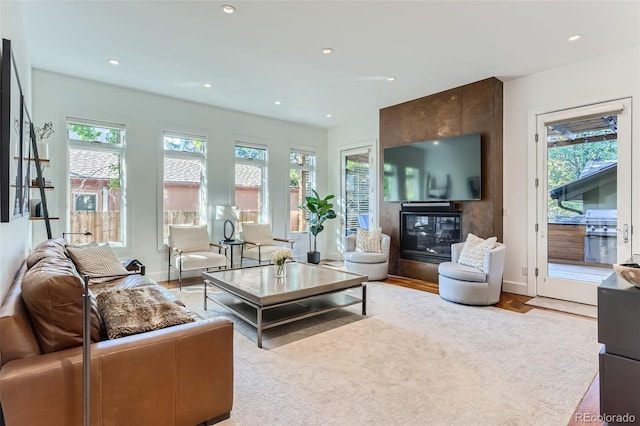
137	310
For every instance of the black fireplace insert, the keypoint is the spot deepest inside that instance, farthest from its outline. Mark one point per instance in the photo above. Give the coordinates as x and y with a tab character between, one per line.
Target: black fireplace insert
426	234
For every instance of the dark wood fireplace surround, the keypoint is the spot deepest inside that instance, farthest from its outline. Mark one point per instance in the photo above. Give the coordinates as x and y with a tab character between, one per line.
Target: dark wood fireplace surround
475	107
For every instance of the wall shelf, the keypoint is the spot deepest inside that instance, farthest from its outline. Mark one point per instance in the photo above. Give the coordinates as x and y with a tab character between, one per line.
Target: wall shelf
43	162
42	218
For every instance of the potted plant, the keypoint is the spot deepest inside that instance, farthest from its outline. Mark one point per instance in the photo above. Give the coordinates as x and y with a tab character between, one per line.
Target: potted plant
320	210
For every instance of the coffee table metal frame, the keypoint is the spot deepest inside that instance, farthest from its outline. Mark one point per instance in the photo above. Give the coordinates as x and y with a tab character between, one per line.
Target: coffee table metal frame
267	312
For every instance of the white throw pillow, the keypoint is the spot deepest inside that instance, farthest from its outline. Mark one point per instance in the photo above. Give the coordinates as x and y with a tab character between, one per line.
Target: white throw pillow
369	241
97	261
474	251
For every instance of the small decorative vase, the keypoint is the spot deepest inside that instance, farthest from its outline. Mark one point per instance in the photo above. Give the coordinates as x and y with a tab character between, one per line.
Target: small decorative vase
281	272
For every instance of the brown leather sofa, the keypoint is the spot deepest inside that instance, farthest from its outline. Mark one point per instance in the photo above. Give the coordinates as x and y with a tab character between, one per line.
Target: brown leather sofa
180	375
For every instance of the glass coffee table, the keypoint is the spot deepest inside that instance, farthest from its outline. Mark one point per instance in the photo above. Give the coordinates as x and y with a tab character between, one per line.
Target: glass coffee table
264	301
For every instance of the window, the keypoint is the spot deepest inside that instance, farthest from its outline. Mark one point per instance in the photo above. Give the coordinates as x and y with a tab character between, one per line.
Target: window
96	186
250	183
356	176
302	181
85	202
183	189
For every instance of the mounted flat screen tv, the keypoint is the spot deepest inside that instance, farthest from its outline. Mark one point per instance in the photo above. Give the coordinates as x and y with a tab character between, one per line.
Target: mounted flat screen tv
447	169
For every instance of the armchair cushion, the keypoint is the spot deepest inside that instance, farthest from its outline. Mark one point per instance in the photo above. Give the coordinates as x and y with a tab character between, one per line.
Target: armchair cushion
189	237
368	241
358	257
200	260
265	252
257	233
474	251
461	272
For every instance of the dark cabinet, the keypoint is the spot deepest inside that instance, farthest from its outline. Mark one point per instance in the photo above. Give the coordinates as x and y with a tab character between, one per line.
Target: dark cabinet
619	332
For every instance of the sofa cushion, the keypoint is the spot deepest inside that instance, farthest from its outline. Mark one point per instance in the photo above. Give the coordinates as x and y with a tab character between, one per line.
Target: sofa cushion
97	261
47	249
52	291
460	272
368	241
474	251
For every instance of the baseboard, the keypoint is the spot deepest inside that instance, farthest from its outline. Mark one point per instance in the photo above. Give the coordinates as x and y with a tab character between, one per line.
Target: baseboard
514	287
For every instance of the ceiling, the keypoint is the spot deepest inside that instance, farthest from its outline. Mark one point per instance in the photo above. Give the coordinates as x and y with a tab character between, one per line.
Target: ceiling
271	50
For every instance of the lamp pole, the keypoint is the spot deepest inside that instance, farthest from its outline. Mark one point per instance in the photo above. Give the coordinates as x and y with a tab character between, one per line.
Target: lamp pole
86	354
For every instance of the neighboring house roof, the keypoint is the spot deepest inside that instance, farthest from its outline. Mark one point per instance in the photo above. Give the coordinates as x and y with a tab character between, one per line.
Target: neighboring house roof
92	164
248	175
592	176
181	170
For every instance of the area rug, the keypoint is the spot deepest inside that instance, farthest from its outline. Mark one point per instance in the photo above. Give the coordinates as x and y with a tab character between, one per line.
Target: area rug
415	359
564	306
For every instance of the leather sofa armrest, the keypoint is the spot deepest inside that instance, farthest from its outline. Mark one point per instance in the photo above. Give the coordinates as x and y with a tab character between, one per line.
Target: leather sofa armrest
185	372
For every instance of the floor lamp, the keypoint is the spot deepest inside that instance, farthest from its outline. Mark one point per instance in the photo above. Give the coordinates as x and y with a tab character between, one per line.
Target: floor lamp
229	214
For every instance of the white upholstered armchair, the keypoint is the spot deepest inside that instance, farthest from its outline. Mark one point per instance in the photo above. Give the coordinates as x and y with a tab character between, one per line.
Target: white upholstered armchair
190	249
259	242
373	265
469	285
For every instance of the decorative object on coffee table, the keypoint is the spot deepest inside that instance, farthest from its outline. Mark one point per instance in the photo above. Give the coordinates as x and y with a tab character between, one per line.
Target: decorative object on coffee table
629	271
279	259
319	210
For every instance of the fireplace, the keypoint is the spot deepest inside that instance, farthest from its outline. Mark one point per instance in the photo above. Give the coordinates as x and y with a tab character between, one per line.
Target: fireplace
427	232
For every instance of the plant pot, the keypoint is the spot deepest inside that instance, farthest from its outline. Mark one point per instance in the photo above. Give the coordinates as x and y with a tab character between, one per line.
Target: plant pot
313	257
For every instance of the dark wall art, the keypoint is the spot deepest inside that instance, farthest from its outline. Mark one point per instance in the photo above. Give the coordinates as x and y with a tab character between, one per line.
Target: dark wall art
12	123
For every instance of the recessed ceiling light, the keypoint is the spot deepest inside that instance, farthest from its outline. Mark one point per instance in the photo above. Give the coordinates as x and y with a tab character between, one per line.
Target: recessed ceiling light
327	50
208	85
277	102
329	115
113	61
575	37
391	78
227	8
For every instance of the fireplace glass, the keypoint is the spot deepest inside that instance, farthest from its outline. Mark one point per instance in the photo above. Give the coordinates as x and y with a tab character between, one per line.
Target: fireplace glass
427	236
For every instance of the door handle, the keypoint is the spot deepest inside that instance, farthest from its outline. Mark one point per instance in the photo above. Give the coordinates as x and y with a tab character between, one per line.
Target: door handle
625	233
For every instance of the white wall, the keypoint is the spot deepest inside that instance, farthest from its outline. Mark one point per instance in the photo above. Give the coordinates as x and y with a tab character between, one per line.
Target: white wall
359	133
146	117
604	78
13	235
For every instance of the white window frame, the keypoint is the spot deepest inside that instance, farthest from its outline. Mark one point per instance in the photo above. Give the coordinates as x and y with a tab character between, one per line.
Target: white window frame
312	184
202	156
117	148
263	215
